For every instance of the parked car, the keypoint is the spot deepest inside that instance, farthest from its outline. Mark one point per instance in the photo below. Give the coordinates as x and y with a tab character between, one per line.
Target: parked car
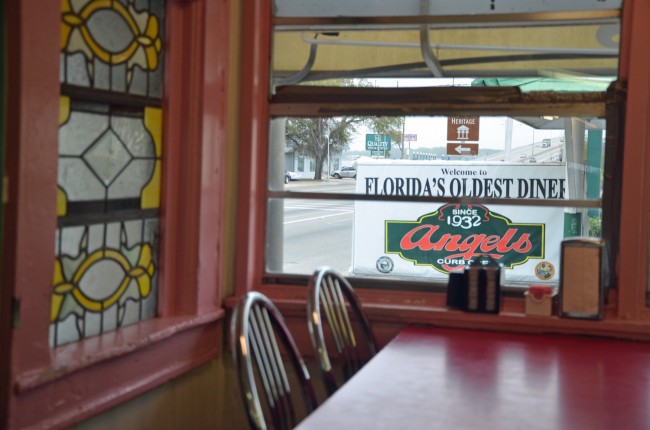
290	176
345	172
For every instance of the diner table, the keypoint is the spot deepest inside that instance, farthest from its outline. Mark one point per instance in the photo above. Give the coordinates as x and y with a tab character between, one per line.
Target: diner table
444	378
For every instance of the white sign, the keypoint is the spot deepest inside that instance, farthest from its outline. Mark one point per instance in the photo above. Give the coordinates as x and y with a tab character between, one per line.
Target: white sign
425	240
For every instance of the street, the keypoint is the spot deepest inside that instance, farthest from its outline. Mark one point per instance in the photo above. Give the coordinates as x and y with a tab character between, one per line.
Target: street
318	232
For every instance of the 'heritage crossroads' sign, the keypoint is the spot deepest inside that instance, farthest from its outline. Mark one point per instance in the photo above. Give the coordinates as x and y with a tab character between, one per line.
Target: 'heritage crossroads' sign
430	240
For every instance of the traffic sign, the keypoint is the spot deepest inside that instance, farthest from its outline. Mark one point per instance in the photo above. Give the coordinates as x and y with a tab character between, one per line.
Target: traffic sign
410	137
462	148
463	128
377	142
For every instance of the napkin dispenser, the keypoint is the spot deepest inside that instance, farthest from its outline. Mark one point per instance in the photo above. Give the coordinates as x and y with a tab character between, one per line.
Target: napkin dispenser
478	287
582	278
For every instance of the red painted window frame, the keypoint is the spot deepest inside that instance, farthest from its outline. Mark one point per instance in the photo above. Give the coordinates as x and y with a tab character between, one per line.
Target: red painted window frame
55	388
627	314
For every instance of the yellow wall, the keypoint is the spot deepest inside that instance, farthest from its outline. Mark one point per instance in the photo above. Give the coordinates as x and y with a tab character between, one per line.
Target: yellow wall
204	398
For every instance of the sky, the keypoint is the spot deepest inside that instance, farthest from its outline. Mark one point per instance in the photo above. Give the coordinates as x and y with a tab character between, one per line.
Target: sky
432	131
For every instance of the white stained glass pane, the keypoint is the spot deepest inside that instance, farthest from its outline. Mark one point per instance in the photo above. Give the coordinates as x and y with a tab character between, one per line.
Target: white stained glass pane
110	30
92	324
156	80
109	319
151	231
130	182
102	279
133	232
70	239
107	156
113	235
150	303
138	83
118	77
129	313
134	135
101	75
96	237
77	70
67	331
62	67
78	182
80	131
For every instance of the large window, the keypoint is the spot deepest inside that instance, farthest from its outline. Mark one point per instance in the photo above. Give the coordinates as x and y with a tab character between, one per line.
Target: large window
458	138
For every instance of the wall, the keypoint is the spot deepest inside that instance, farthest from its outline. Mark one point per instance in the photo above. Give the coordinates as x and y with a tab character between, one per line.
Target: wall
204	398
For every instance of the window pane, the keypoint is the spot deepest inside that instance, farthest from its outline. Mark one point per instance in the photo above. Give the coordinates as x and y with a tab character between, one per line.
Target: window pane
308	233
542	159
113	46
344	8
539	52
421	241
109	172
339	144
431	192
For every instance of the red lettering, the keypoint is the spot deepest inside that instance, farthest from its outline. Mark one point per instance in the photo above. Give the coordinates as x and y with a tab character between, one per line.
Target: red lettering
490	243
424	243
448	242
523	245
471	244
468	246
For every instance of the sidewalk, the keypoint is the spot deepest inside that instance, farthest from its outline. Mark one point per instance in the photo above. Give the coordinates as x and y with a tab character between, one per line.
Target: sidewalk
303	183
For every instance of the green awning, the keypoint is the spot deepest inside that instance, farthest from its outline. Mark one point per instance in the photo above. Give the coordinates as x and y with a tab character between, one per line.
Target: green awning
560	85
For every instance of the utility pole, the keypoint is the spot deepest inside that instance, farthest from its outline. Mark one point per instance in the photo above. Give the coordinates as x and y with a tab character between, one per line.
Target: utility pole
532	150
403	149
329	169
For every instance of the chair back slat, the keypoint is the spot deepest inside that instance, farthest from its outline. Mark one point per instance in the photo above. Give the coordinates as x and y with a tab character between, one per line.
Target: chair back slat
332	312
341	326
257	332
332	295
267	358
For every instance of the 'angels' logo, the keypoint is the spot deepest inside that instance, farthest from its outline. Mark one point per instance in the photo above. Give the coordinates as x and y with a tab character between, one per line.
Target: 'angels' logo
454	234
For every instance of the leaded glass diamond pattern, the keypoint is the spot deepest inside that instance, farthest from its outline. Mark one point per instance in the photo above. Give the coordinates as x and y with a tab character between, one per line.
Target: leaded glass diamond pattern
107	157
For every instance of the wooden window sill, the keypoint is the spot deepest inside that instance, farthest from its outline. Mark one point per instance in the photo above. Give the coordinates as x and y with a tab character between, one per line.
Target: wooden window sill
97	373
397	308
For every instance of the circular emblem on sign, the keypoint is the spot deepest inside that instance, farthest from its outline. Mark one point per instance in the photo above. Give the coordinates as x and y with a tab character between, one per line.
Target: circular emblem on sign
384	264
544	270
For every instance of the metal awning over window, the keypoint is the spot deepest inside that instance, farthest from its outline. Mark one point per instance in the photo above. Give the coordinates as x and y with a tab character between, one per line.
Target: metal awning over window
435	38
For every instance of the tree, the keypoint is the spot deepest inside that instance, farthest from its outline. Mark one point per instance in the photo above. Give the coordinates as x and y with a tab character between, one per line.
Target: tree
393	126
310	137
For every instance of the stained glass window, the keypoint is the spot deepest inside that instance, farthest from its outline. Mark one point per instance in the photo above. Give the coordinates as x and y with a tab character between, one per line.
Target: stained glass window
113	45
109	170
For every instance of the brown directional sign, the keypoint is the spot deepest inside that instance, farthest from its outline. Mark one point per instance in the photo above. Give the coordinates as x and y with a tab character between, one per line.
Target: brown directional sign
461	148
462	128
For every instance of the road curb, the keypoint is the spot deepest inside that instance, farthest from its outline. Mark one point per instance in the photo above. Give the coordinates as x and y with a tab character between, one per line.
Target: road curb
304	183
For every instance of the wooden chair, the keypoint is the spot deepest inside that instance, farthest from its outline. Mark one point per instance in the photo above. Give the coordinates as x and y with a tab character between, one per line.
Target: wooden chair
257	330
328	293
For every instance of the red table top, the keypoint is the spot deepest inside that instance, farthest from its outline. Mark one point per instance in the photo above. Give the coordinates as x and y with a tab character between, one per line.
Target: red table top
437	378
